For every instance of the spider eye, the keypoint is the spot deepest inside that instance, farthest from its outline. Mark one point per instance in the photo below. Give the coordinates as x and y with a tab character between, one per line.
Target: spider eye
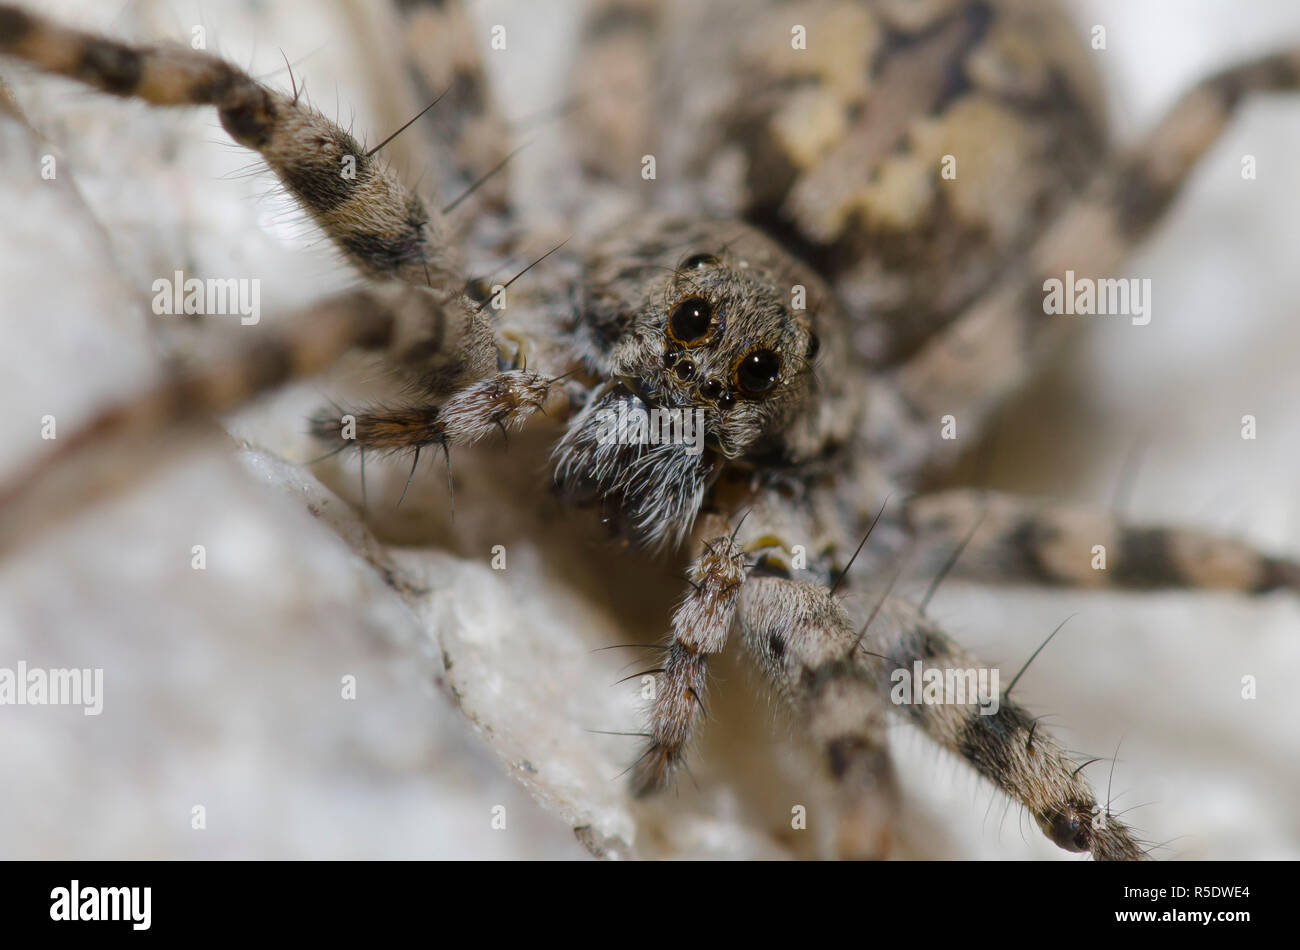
696	261
690	321
814	345
757	372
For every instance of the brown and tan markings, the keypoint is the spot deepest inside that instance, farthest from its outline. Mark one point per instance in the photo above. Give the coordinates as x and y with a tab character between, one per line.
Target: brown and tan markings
817	164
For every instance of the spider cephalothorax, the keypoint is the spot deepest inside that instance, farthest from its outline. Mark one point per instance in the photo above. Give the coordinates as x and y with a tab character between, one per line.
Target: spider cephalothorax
705	356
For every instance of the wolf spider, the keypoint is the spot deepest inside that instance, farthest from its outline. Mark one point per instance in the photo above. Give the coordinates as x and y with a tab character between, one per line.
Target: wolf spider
816	282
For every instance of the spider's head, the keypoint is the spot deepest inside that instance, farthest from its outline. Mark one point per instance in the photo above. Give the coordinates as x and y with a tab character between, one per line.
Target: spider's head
705	330
717	338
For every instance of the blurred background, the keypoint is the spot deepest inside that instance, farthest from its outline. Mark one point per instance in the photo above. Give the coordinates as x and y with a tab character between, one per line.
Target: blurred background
477	690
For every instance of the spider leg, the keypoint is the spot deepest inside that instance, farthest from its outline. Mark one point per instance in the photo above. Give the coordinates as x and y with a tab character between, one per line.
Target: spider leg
1020	540
400	320
501	403
839	678
803	641
700	626
989	350
1007	746
353	195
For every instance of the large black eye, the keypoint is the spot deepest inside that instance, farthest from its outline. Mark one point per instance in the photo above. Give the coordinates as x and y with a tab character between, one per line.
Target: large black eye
696	261
814	345
690	321
757	372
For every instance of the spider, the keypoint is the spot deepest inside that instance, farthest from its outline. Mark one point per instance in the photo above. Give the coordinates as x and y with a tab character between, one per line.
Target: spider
850	264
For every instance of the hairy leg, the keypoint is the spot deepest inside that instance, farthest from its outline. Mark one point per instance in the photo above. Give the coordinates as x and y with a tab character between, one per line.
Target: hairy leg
838	676
700	626
989	351
501	403
379	226
429	333
802	640
1008	746
1017	539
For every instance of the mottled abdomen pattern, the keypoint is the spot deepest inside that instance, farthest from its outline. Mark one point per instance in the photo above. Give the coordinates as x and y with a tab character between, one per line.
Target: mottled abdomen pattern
910	149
